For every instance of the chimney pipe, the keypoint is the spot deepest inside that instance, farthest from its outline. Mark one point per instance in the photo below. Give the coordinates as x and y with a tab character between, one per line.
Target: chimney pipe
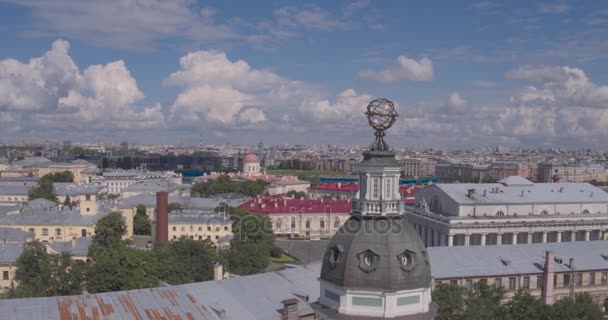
162	217
290	309
548	277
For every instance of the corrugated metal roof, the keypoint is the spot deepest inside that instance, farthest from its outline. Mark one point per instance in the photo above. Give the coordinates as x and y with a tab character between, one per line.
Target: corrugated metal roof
12	235
9	252
242	298
512	194
475	261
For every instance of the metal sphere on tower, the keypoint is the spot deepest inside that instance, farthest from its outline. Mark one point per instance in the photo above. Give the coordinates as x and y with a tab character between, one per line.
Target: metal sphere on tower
381	114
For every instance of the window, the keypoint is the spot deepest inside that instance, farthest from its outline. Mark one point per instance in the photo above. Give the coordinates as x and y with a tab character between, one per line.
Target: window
225	228
45	231
544	212
217	237
500	213
87	197
4	275
585	211
604	278
591	278
191	228
468	283
83	232
88	209
174	237
579	279
387	193
484	281
375	188
208	228
512	283
174	228
337	223
31	230
200	228
307	224
293	223
322	224
539	282
526	284
497	282
454	282
566	280
57	232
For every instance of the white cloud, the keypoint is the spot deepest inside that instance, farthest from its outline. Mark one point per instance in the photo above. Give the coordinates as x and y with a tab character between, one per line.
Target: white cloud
349	107
404	69
125	24
457	103
49	92
313	18
554	8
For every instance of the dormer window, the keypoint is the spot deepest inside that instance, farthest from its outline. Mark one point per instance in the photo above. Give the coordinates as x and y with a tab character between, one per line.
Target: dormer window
500	213
544	212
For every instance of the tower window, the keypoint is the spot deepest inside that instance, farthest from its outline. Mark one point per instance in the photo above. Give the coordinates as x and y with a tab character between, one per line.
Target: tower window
375	188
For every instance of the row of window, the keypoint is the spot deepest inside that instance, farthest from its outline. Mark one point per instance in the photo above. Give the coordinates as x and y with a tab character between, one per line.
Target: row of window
58	231
307	224
200	228
525	281
15	198
199	237
543	212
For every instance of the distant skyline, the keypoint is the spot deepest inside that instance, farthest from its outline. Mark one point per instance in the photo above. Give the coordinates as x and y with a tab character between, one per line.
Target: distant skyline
461	73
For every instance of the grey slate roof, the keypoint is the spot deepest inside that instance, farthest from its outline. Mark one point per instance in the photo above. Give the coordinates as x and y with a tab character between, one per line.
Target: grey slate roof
255	297
14	235
41	215
475	261
9	252
512	194
149	200
197	216
79	247
75	189
14	190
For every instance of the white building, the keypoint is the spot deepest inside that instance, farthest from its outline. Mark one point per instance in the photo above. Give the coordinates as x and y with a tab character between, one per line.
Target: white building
513	211
118	180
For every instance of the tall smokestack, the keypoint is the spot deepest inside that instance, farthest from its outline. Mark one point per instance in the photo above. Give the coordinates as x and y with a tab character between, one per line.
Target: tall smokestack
162	217
548	277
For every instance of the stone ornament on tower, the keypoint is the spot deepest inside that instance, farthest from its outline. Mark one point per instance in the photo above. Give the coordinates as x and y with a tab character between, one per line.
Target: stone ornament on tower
381	115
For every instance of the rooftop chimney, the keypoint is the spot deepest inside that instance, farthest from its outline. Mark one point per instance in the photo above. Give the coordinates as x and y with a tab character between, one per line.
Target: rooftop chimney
470	193
290	309
548	275
218	271
162	217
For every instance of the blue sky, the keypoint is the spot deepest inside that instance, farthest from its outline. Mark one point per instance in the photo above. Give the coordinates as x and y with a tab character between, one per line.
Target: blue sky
462	73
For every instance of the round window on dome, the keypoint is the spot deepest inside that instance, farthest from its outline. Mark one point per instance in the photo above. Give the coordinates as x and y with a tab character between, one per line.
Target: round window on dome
407	260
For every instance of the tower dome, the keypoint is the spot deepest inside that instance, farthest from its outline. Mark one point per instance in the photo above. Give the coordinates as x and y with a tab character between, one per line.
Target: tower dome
376	265
251	158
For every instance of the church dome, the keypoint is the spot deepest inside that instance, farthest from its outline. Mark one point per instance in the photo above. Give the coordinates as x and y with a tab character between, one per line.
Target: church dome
251	158
376	254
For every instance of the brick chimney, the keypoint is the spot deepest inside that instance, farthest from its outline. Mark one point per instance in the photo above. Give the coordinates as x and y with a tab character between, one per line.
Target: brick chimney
162	217
290	309
548	277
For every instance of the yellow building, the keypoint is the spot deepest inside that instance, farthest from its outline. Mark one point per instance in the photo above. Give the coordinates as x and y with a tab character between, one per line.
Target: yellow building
199	225
9	252
50	222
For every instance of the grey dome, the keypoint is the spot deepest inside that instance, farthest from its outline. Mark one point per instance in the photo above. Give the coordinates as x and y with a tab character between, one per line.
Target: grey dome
376	253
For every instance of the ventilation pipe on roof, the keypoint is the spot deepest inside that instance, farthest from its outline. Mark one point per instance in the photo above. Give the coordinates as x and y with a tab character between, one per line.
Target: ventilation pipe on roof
484	192
290	309
470	193
522	193
591	195
561	189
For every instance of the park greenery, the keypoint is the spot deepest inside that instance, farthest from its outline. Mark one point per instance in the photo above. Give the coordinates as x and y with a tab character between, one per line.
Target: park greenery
141	222
484	302
113	264
45	189
296	194
224	184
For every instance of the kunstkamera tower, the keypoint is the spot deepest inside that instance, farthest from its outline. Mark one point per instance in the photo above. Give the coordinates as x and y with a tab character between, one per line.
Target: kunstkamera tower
376	266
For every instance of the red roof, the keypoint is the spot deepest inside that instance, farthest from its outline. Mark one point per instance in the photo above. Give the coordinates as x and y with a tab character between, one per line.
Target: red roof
251	158
278	204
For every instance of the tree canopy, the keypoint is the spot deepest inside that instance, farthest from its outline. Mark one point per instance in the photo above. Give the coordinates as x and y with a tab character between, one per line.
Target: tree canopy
65	176
186	260
223	184
44	190
484	302
141	222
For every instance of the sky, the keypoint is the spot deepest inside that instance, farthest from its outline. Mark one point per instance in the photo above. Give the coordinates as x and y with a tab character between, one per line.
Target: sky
461	73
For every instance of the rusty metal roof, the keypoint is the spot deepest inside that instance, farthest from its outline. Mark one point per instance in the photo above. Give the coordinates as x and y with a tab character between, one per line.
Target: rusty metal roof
247	297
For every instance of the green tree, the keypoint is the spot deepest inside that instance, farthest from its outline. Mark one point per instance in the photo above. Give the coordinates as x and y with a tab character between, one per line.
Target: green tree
252	244
40	274
141	222
296	194
120	267
109	231
524	306
44	190
484	302
582	307
450	300
186	260
173	206
65	176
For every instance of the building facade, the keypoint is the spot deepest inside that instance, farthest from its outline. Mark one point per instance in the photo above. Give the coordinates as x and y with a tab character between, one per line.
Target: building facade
513	211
